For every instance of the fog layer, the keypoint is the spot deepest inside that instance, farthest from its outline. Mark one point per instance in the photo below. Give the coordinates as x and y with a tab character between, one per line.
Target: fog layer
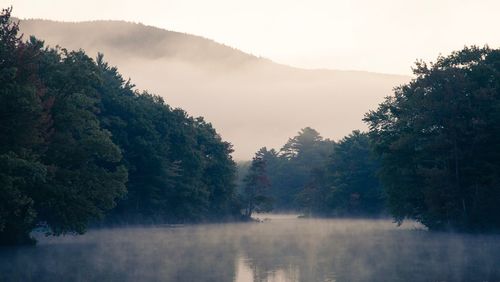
281	249
253	102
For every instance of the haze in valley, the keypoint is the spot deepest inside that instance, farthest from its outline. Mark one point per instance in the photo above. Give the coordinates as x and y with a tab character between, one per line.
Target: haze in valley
251	101
100	181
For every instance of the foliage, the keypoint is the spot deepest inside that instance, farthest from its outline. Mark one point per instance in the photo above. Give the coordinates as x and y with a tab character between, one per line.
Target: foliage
179	167
257	184
347	184
75	137
290	168
24	122
352	169
438	138
85	174
320	177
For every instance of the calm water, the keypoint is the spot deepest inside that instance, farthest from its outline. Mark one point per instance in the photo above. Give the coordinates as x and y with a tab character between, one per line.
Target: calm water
281	249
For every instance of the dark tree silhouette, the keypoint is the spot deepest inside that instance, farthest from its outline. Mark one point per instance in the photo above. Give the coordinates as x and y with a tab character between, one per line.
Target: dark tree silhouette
256	190
438	139
76	141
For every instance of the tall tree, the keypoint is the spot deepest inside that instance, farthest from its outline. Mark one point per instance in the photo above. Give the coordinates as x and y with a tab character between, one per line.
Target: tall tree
24	127
73	132
219	170
256	189
179	167
85	175
352	176
302	154
438	138
346	184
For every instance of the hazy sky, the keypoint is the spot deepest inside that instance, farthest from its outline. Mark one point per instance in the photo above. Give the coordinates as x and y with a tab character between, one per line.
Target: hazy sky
383	35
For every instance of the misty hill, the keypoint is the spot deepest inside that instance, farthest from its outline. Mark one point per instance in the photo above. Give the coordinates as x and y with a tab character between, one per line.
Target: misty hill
252	101
122	40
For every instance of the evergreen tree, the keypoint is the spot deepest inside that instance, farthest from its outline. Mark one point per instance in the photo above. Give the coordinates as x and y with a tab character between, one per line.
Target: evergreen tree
298	158
24	127
179	167
354	188
438	138
256	189
85	175
73	132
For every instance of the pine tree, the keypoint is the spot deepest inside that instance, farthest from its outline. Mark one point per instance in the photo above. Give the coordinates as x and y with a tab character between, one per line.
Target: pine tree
256	190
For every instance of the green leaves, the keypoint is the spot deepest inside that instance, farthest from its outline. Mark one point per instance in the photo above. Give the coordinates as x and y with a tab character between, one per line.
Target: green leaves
73	132
291	169
354	189
256	190
19	178
179	167
24	125
438	142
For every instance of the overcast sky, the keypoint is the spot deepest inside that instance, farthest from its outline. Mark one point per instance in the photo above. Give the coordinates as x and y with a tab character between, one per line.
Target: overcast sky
373	35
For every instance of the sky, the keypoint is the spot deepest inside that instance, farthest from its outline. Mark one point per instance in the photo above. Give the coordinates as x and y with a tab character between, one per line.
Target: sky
381	36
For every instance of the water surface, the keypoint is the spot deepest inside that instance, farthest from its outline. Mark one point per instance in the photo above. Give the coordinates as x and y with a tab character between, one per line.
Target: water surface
283	248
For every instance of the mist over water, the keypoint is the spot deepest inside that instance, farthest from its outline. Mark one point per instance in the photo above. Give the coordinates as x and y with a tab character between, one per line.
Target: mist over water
73	132
283	248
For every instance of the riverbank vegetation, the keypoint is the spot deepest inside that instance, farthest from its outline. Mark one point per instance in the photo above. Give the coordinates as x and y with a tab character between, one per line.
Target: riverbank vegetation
80	145
77	141
321	177
431	153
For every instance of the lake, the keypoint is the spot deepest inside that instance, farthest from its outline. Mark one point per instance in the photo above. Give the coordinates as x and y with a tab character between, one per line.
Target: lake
281	248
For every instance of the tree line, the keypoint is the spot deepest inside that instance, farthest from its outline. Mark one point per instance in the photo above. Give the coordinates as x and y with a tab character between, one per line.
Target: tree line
316	176
78	142
432	154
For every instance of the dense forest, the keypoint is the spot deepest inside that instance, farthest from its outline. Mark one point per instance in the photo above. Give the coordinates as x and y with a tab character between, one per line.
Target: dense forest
316	176
431	154
438	140
77	142
79	145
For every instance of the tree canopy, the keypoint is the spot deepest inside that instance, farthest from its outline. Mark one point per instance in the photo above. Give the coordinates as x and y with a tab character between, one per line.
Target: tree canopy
78	142
290	168
346	184
323	178
438	137
256	194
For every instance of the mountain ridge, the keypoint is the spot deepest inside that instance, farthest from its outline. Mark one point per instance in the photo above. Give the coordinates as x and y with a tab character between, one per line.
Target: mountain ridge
252	101
201	37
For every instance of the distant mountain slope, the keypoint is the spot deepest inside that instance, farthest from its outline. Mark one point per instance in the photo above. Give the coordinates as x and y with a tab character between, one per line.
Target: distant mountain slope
123	39
253	102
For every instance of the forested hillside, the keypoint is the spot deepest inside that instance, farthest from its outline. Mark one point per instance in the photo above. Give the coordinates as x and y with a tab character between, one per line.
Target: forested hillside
78	142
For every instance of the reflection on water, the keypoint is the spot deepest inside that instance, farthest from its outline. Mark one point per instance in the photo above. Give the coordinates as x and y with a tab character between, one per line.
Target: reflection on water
246	273
283	248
